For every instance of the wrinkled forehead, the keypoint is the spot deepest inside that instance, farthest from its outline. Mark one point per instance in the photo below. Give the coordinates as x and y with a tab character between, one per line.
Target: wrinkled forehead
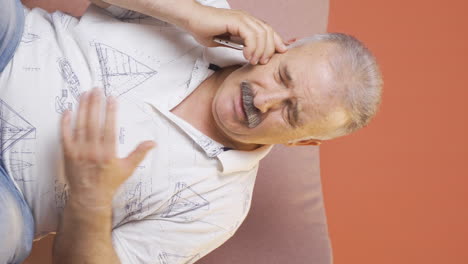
315	85
309	68
309	64
318	49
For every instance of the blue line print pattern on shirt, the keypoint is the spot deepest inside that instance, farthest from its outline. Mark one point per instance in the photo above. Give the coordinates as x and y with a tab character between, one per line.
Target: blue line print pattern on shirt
120	72
16	168
184	201
18	165
167	258
29	38
62	18
137	194
134	203
13	127
73	84
129	16
122	135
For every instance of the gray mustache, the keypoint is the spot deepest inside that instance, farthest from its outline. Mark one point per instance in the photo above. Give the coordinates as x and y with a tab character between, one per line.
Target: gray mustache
253	114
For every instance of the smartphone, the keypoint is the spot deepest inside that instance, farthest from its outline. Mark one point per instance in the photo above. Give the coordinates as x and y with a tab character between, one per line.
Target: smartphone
229	43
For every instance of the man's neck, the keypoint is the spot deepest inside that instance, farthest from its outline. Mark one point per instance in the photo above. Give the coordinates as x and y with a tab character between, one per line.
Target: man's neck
196	110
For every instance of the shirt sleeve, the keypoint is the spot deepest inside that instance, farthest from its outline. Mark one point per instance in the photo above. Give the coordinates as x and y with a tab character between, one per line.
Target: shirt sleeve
167	242
129	16
11	29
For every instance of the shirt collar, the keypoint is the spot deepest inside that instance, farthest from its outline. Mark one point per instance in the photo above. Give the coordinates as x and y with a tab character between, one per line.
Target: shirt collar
231	160
239	160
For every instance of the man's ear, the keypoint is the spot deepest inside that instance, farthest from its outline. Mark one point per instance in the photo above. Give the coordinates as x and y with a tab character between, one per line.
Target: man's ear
306	142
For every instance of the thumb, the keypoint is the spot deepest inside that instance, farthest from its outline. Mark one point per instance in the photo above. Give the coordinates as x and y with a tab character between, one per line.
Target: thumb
290	41
137	156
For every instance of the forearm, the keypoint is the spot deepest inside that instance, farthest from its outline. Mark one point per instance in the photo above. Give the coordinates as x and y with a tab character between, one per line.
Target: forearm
176	12
85	235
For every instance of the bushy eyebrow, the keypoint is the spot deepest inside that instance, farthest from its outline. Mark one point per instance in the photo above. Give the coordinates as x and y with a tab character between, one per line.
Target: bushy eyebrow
295	114
288	74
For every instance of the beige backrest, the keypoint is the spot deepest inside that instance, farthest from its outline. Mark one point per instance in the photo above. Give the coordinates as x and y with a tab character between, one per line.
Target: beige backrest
286	222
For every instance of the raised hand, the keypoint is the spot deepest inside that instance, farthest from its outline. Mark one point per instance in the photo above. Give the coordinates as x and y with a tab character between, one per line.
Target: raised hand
92	168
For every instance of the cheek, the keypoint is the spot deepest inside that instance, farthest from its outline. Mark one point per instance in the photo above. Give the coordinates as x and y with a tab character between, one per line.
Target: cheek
219	104
275	127
223	106
272	126
275	120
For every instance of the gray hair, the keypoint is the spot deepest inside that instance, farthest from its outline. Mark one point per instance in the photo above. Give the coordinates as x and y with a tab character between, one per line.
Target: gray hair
357	78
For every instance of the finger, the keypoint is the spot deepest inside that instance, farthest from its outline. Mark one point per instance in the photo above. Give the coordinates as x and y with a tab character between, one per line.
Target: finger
261	37
250	42
67	140
93	117
269	46
246	33
279	43
137	156
80	127
109	125
290	41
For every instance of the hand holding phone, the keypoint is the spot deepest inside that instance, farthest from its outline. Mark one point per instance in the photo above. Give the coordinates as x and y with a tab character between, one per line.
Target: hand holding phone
228	43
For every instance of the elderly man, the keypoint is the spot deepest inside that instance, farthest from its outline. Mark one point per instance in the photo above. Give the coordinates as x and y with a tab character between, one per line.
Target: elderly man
212	112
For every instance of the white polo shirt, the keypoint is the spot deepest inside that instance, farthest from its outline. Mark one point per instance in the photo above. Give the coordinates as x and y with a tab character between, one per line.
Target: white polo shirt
190	194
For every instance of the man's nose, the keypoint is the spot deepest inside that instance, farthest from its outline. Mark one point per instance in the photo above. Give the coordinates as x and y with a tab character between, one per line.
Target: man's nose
269	100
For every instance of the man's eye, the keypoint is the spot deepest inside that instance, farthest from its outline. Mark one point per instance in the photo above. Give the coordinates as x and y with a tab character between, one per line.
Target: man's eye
293	115
290	114
278	77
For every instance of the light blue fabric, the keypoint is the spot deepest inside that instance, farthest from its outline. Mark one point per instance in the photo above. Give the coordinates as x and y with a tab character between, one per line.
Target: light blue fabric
11	29
16	222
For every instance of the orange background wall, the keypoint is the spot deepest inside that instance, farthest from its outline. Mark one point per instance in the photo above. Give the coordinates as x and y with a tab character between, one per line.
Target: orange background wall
397	191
